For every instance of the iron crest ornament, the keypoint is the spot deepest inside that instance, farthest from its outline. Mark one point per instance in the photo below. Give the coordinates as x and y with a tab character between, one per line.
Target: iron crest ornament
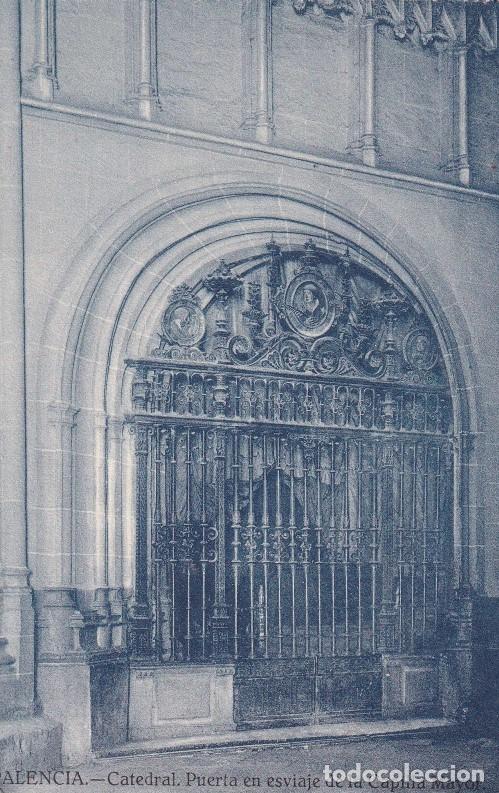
304	310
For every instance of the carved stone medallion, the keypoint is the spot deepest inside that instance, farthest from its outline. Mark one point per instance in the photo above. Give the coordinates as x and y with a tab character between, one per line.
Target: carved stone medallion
309	305
184	322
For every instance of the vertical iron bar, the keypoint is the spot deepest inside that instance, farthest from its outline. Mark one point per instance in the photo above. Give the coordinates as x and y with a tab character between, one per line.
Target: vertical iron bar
332	536
437	529
157	530
305	557
401	540
359	546
319	550
265	544
173	539
346	540
374	555
187	527
204	527
251	535
425	535
413	542
236	526
292	543
278	528
220	619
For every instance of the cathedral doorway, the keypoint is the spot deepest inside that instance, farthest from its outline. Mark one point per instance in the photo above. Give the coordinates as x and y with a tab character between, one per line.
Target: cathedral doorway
294	476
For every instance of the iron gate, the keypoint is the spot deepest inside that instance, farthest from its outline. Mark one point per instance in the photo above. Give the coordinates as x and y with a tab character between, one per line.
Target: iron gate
294	485
294	536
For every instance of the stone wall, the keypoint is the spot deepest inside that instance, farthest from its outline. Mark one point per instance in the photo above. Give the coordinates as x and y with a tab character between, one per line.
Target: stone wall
203	73
81	173
118	205
414	107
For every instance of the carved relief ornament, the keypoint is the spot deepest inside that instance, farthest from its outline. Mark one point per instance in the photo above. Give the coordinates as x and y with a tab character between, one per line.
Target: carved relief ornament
431	22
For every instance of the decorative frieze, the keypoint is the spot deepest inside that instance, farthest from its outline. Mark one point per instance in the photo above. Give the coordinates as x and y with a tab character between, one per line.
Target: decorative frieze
323	341
430	23
303	312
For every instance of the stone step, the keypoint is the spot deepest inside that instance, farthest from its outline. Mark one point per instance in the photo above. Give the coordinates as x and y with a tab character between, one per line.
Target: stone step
30	743
344	731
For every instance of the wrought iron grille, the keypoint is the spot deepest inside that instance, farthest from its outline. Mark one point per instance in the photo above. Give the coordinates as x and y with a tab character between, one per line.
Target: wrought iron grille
294	465
199	393
296	544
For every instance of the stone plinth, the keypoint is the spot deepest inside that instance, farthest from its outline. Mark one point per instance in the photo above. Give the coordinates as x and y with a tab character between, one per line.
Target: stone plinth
410	686
182	700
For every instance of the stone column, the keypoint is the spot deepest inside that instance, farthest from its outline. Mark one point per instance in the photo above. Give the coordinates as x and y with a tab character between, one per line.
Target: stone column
263	128
114	439
462	160
368	141
55	596
146	88
16	615
42	71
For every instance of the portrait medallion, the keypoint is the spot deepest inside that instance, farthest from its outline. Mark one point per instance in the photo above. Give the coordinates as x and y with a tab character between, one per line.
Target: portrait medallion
419	351
309	305
184	323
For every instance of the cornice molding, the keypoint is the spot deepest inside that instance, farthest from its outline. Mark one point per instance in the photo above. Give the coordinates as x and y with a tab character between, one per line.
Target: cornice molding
241	147
470	23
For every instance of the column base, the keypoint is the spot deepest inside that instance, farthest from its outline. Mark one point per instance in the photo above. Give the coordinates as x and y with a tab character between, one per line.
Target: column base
42	83
16	609
58	623
82	680
88	695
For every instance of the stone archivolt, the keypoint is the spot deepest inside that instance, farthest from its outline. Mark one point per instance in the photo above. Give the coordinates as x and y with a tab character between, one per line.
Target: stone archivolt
432	22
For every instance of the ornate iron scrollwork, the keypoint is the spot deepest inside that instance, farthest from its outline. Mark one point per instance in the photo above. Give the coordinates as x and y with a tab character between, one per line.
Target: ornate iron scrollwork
295	419
311	312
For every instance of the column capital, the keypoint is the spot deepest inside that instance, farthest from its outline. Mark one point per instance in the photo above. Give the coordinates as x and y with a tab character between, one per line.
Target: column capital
14	577
62	414
115	425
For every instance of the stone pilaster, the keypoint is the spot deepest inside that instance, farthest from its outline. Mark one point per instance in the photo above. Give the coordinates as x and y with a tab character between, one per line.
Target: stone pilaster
16	613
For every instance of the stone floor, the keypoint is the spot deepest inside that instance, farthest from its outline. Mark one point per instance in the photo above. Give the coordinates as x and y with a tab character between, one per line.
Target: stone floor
244	769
